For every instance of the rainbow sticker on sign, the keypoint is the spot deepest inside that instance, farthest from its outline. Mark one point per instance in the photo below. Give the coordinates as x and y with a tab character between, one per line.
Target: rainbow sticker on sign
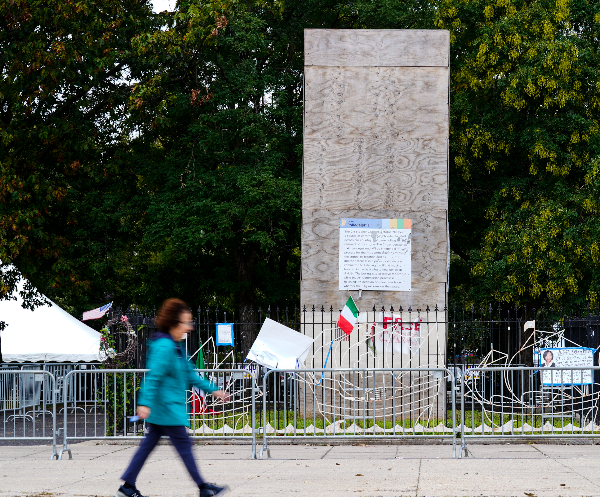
396	224
375	254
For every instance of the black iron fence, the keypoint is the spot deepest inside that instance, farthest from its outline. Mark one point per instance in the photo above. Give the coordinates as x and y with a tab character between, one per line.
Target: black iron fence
511	335
464	337
245	329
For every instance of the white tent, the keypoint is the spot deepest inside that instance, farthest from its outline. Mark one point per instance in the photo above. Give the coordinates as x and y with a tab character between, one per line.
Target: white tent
45	334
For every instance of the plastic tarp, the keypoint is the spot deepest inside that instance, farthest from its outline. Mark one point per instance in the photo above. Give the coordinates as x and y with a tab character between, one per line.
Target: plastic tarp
278	346
45	334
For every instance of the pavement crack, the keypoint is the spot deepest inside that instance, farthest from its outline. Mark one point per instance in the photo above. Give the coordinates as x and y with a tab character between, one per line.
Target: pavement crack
109	453
323	456
79	481
419	478
266	471
563	464
28	455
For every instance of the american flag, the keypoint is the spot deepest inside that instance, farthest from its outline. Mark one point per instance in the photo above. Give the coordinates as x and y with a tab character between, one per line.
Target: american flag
96	313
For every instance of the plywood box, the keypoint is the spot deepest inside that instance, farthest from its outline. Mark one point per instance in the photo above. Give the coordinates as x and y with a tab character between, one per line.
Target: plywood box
376	124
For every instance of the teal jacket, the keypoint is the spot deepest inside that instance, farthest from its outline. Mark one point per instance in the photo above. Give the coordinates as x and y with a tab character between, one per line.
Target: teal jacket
164	387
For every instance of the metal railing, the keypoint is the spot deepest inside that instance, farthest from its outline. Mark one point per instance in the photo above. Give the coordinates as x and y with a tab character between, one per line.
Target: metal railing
319	405
517	402
230	419
57	369
324	404
106	398
22	403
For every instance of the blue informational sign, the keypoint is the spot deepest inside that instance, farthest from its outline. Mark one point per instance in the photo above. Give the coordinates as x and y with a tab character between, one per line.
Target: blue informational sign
225	334
371	224
577	358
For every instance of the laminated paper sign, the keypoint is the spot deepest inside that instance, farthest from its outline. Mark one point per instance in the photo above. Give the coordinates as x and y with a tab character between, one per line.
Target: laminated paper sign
375	254
567	357
225	334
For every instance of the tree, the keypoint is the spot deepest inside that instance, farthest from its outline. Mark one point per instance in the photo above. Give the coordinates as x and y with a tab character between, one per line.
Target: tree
525	142
170	165
221	146
64	86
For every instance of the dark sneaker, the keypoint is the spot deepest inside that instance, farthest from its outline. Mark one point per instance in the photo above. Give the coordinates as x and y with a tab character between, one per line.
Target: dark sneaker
210	490
128	492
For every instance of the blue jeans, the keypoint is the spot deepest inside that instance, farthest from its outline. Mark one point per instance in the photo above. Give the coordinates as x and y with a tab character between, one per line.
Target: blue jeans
181	441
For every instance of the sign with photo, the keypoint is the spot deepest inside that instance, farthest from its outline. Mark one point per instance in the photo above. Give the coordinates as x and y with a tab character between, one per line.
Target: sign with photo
567	357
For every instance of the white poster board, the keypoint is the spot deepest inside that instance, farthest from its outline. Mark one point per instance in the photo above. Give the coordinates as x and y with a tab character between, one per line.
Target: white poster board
375	254
278	346
568	357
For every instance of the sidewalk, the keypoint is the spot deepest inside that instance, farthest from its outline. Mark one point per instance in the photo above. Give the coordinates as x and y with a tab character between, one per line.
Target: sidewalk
316	471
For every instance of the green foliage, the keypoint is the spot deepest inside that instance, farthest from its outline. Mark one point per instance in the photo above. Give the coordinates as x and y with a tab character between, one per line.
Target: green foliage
524	145
221	148
63	92
148	155
222	164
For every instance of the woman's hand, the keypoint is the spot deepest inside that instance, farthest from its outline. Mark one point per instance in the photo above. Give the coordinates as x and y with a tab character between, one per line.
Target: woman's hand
143	412
221	394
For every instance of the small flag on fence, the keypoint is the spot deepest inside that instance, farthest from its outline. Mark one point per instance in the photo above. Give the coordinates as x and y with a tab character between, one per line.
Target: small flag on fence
200	362
348	317
96	313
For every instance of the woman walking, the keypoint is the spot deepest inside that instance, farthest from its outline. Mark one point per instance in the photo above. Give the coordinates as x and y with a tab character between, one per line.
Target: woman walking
162	399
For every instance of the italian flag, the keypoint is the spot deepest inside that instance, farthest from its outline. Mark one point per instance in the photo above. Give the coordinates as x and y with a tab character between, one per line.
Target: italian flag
348	318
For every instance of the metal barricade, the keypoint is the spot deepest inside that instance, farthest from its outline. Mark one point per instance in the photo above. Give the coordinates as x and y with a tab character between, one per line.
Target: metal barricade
19	390
111	399
536	402
102	412
29	393
9	398
388	403
234	419
317	405
60	370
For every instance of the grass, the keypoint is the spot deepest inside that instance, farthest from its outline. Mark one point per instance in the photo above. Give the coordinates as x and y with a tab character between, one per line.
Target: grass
280	419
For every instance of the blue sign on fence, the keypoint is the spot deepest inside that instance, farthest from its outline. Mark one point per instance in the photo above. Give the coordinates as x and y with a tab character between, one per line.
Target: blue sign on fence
225	334
566	357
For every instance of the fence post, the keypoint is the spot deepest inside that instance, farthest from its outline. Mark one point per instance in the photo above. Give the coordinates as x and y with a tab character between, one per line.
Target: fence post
53	381
65	447
264	424
453	386
463	447
254	380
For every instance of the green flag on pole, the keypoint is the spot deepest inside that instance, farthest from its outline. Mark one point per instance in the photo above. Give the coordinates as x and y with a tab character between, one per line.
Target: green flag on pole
200	362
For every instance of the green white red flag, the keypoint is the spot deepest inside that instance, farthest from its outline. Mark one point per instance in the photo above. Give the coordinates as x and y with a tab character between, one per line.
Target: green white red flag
348	317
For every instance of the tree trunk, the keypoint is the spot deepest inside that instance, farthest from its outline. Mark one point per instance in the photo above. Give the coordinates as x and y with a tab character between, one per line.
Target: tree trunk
244	264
